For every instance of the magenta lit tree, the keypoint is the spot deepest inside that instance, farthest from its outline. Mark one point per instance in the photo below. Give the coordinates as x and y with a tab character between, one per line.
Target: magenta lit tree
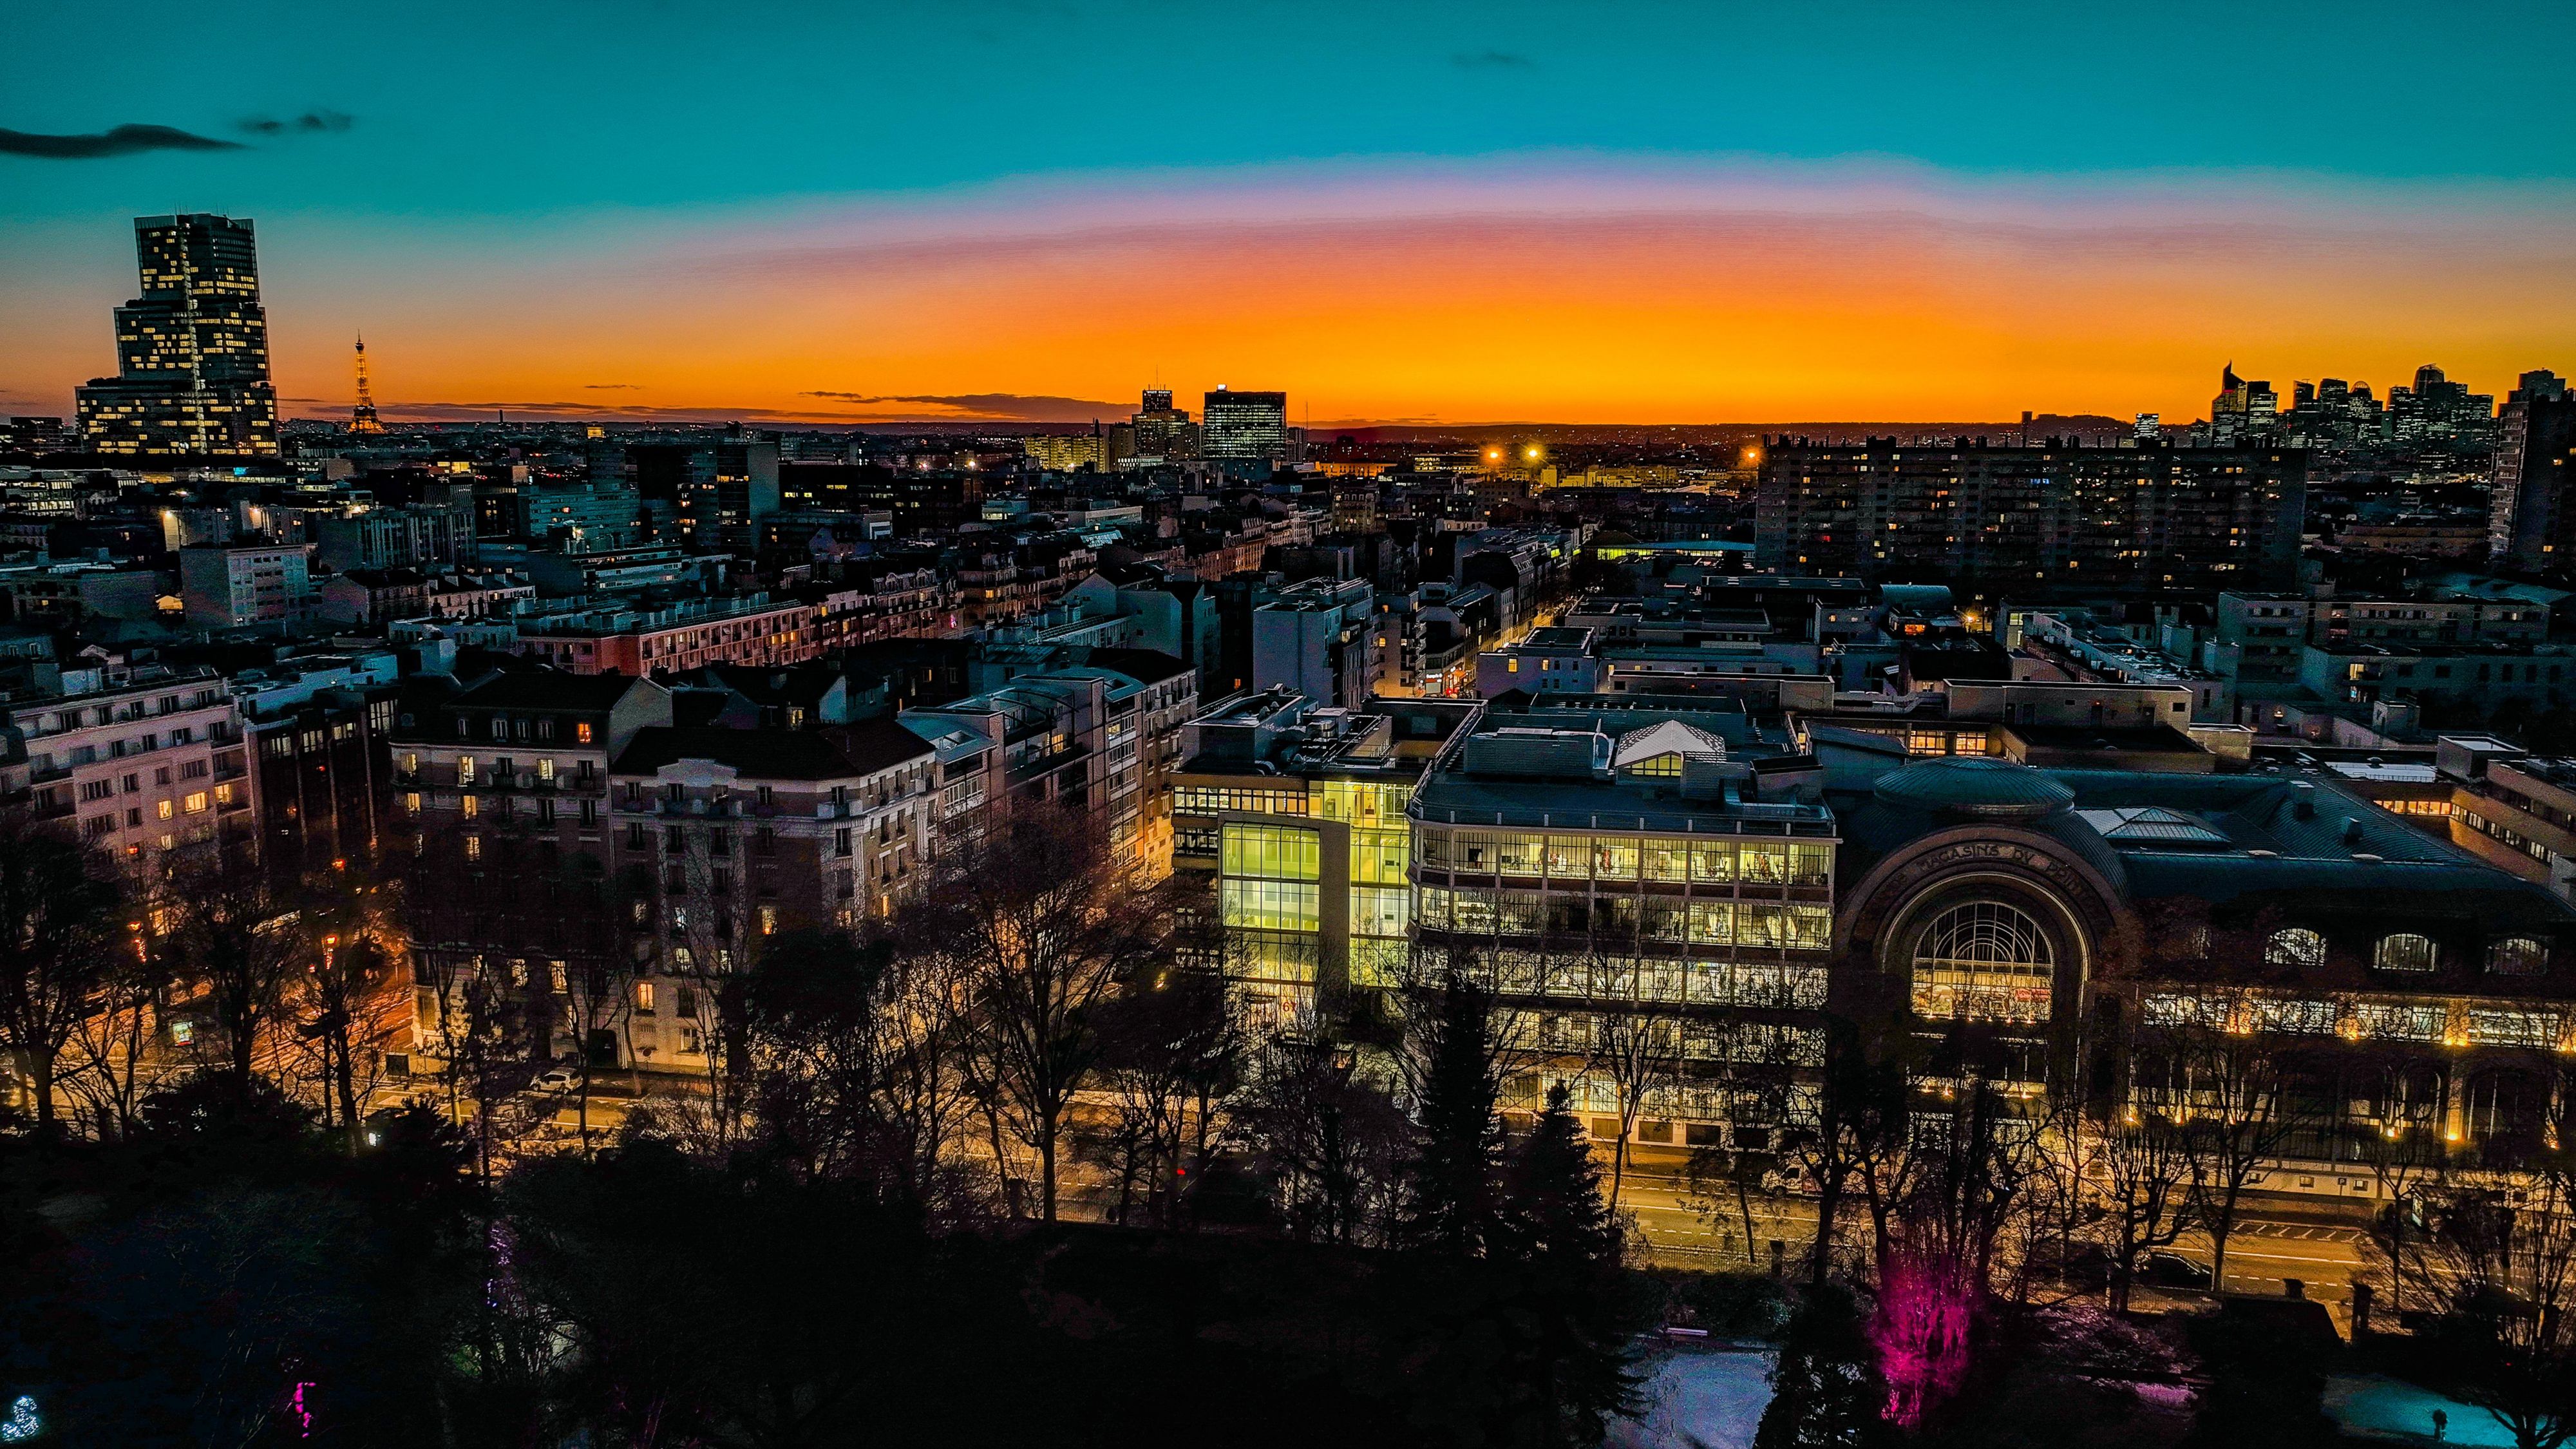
1940	1192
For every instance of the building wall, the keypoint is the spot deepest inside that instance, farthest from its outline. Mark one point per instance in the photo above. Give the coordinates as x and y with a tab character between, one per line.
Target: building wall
142	767
2115	517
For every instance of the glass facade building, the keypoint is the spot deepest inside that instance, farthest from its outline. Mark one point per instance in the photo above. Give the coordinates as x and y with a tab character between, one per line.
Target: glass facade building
191	351
1244	425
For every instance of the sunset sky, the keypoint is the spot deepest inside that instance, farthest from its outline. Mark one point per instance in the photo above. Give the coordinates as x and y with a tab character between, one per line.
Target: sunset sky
1559	212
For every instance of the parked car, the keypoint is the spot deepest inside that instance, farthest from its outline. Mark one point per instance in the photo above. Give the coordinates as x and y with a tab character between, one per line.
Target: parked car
557	1079
2173	1270
1793	1180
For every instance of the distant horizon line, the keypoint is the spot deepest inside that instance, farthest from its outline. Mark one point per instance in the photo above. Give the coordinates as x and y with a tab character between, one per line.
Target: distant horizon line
756	418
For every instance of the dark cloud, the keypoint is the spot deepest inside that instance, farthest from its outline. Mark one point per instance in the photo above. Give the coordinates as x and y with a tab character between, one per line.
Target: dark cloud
1491	60
613	386
999	407
996	406
122	141
317	120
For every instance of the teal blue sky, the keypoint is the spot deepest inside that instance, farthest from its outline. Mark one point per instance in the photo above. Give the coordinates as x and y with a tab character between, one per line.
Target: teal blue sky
487	176
502	110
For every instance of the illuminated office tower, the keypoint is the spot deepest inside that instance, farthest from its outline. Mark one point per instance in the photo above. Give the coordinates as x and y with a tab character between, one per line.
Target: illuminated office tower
1162	430
1244	425
191	351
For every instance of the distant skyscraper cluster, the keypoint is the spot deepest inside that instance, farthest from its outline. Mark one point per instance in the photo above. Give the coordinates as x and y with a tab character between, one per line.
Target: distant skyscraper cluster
2332	412
191	351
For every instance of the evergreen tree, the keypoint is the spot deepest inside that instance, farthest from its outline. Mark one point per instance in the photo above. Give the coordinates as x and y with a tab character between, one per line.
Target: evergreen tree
1553	1213
1450	1189
1825	1389
1573	1319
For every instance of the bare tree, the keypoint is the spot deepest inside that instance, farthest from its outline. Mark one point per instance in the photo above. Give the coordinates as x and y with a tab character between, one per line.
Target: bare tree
2500	1255
708	917
1635	1041
2406	1157
1171	1050
59	900
1939	1194
2237	1116
111	1045
1763	1073
1835	1133
597	994
2145	1166
1045	925
1331	1143
352	997
240	936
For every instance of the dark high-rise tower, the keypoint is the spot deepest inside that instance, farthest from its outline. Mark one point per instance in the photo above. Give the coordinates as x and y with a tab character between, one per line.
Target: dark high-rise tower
2531	527
1162	430
191	351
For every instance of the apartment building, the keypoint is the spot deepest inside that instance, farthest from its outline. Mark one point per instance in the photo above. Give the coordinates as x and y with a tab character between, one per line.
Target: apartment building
2148	516
671	638
723	838
248	584
142	761
1088	738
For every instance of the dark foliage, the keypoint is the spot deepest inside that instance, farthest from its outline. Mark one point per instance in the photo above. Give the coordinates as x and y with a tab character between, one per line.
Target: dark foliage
1449	1199
229	1272
1826	1391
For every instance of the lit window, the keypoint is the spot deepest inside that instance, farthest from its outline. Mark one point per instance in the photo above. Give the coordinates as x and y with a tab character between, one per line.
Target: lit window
2518	956
165	810
1984	960
196	802
2406	951
644	996
2297	947
474	847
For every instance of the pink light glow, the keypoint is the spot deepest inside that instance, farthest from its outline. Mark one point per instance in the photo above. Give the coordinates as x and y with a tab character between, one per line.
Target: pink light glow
1925	1312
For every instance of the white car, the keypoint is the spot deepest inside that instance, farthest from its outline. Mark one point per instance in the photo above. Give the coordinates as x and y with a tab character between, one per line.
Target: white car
560	1079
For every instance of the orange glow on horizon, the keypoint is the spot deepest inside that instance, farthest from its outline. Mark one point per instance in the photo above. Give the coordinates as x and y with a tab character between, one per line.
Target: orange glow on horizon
1599	310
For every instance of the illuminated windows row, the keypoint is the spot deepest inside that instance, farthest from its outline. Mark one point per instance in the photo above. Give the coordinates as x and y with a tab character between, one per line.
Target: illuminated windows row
1628	857
1484	912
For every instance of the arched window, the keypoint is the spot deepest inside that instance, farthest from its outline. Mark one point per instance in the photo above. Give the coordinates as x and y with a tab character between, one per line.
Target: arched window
2518	956
1983	960
2504	1104
2406	951
2297	947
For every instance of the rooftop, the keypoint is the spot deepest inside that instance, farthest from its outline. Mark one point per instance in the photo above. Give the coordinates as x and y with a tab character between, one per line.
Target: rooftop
547	689
756	754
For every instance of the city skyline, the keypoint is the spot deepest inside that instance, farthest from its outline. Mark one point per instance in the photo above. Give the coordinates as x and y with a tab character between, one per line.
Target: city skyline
1503	218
